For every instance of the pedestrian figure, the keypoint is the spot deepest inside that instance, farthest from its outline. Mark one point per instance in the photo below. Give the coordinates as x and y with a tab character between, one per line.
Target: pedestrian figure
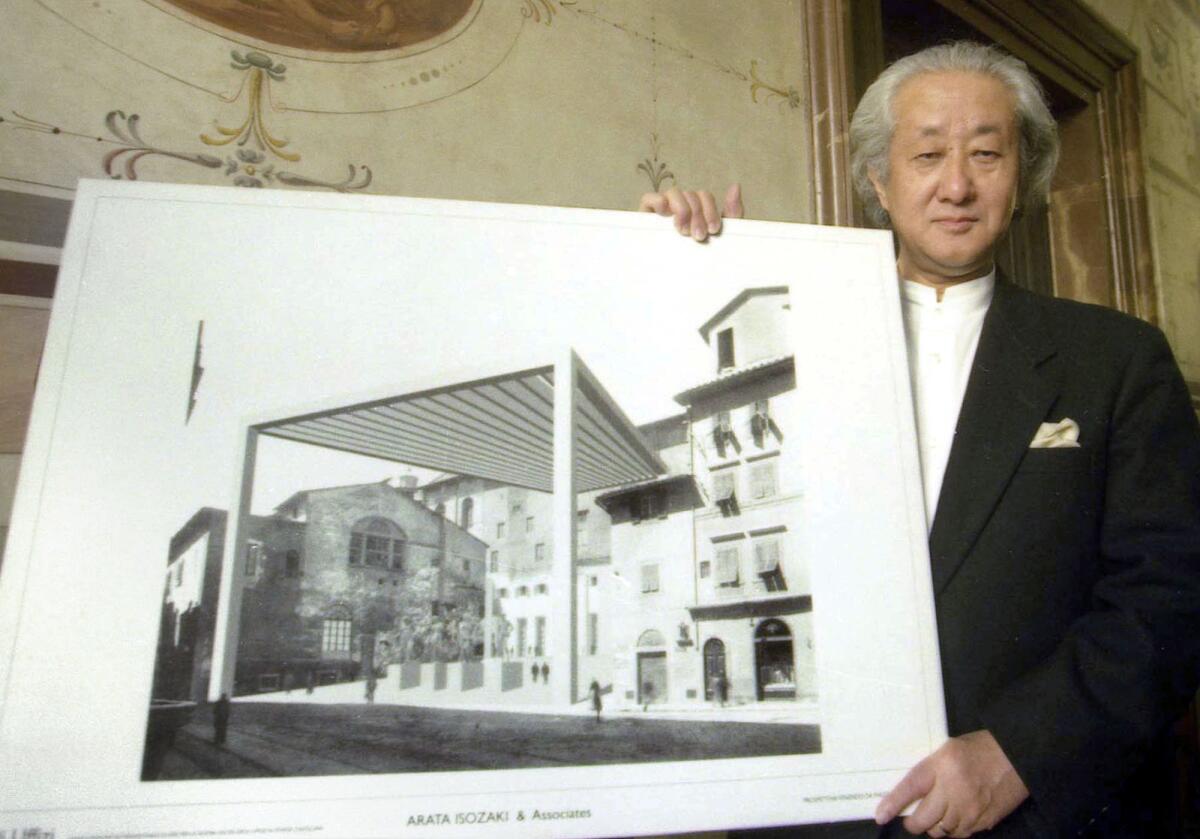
220	719
722	689
371	682
545	672
310	682
533	668
647	695
597	704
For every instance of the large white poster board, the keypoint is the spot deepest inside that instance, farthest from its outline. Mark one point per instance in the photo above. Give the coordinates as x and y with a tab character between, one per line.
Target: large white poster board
309	451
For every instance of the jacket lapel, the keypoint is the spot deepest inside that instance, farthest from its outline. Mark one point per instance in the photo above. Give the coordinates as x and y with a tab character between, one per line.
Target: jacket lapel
1009	393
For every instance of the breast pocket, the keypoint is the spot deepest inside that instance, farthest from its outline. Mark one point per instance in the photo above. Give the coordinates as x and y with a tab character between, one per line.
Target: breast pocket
1077	460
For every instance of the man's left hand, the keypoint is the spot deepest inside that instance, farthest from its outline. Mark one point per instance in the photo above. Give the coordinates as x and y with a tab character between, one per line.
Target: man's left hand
966	786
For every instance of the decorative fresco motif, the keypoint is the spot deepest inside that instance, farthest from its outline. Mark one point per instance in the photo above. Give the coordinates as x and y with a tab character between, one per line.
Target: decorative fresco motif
333	25
260	70
789	95
543	11
656	170
246	167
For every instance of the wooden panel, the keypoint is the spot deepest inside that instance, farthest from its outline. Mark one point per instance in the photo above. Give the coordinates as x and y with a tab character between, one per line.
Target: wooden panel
24	331
28	279
33	219
828	30
1125	179
1079	222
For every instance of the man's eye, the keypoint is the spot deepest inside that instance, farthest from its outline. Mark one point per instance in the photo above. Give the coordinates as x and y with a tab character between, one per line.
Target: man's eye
987	154
928	155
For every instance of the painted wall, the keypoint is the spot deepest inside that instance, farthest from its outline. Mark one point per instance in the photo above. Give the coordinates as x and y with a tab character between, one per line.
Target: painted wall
571	102
1167	36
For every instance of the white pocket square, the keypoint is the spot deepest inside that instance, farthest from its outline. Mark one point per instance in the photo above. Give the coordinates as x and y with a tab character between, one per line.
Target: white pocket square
1063	434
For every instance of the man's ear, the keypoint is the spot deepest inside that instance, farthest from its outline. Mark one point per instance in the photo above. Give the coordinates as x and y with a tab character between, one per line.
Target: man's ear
880	192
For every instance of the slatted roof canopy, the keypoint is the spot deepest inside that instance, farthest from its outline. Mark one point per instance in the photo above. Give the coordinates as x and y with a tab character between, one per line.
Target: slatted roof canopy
500	428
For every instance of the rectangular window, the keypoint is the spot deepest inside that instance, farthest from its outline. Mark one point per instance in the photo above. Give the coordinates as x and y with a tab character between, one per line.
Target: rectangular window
529	524
522	591
724	488
767	564
760	422
593	581
593	633
179	574
649	577
291	567
356	548
539	552
466	565
502	593
705	569
728	572
581	531
522	634
763	479
254	556
539	636
725	349
540	588
499	530
494	562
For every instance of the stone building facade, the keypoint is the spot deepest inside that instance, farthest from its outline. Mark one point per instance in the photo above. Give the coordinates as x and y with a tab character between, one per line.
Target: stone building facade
516	524
337	582
719	601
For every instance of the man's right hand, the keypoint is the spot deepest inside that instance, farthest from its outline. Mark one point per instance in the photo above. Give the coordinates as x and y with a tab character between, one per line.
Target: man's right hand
695	212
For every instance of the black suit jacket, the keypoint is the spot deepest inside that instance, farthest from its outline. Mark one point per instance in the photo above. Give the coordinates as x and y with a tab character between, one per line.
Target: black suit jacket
1067	581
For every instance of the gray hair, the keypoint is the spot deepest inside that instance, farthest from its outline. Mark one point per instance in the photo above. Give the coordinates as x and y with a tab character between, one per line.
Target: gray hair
873	122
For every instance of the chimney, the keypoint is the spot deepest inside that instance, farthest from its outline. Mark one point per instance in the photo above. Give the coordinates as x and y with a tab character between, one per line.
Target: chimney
404	483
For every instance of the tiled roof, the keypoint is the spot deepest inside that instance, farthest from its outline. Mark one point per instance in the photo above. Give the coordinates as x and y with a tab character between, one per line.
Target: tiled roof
731	376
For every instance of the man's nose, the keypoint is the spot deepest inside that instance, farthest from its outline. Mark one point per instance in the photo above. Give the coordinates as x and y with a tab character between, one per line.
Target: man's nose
955	185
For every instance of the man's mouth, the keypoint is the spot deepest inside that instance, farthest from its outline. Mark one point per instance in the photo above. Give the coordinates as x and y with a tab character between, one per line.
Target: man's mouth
957	224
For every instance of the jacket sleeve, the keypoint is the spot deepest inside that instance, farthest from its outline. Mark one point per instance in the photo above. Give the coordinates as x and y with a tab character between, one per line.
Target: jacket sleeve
1079	725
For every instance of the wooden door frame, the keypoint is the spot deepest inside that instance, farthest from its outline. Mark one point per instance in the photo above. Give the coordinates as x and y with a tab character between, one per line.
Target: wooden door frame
1060	39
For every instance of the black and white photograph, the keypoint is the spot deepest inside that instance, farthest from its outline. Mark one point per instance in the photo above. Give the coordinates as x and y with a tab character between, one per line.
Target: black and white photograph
383	529
401	603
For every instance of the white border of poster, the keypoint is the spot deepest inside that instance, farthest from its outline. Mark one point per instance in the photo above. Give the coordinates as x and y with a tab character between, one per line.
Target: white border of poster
311	298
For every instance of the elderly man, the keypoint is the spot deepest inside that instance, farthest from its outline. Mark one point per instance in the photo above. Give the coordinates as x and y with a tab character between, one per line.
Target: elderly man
1061	467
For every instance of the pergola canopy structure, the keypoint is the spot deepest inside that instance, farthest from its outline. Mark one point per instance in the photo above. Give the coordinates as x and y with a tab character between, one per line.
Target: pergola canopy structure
515	427
500	428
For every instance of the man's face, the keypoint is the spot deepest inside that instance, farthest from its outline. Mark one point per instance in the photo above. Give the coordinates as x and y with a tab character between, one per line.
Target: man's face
954	160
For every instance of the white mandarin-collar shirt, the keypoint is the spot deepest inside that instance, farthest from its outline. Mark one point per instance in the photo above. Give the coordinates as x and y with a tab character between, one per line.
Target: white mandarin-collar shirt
942	336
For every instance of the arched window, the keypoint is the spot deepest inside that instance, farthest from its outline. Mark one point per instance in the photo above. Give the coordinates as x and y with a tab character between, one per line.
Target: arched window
377	543
335	633
467	516
774	663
